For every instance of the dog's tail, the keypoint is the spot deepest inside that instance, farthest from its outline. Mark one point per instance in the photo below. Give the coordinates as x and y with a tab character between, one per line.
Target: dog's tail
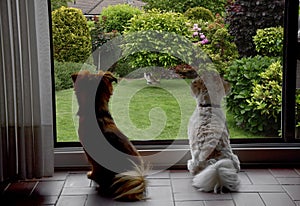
216	176
131	185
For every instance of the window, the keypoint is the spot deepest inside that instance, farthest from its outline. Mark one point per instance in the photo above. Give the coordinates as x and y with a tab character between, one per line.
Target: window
134	104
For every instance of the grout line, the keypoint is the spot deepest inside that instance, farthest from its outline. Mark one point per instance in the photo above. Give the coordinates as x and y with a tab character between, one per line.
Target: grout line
4	190
275	177
36	184
85	201
62	188
262	200
246	173
172	189
233	199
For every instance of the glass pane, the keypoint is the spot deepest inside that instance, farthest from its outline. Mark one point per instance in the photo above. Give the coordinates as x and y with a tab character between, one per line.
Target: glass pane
298	86
242	40
297	133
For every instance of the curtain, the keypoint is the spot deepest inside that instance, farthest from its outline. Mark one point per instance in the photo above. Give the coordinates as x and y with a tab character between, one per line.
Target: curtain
26	112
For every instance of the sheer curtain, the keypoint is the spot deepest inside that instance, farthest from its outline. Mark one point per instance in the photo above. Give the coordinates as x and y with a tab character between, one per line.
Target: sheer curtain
26	112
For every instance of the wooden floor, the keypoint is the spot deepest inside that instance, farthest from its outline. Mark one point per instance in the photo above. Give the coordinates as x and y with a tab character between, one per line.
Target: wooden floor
272	187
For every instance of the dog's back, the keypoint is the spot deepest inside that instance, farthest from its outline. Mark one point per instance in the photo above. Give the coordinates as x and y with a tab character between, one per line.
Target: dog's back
212	156
93	92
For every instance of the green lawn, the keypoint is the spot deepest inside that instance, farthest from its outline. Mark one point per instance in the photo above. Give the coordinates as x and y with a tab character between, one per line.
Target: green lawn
65	127
141	111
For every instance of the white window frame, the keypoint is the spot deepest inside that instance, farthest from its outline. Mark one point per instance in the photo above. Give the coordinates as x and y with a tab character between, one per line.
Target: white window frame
263	155
256	154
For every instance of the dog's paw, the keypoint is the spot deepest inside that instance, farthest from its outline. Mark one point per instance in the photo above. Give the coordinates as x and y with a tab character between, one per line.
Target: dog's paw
90	175
190	166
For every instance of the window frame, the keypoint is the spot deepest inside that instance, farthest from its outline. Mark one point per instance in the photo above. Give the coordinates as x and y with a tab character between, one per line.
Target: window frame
270	151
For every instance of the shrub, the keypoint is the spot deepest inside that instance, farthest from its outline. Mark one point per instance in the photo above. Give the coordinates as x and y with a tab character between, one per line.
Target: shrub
245	17
243	73
100	35
113	20
220	46
116	17
63	72
150	28
210	28
160	21
298	110
71	36
56	4
91	24
269	41
222	50
265	100
181	6
164	5
197	13
123	67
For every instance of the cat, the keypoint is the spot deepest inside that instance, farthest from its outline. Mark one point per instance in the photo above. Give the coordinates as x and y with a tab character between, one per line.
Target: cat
150	78
93	92
213	163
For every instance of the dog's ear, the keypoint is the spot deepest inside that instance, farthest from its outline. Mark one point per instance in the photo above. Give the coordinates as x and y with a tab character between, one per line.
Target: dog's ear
74	77
110	77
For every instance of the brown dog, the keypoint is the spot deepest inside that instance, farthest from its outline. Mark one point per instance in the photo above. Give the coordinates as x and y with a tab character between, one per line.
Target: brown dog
93	92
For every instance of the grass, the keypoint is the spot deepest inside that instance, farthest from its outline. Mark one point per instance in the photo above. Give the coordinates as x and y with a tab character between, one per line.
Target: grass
152	112
141	111
65	127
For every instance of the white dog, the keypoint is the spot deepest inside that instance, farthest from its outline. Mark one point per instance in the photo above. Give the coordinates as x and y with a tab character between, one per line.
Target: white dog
213	162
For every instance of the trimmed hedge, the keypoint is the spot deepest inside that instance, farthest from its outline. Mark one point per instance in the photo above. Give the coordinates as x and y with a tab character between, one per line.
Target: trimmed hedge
63	72
153	29
266	100
199	13
116	17
156	20
245	74
216	6
71	36
269	41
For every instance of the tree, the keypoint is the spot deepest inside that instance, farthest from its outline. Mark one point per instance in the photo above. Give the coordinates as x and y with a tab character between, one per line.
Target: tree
245	17
71	36
56	4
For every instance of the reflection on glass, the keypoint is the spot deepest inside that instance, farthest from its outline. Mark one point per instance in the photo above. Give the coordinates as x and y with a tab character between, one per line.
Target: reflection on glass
242	39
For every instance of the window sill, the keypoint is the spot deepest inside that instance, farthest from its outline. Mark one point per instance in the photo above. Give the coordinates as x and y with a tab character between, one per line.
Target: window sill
262	155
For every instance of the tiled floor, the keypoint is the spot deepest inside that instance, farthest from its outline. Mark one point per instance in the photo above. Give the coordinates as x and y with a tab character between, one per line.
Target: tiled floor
272	187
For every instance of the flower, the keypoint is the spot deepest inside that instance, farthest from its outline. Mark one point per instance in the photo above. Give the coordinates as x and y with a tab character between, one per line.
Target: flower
196	28
204	41
200	36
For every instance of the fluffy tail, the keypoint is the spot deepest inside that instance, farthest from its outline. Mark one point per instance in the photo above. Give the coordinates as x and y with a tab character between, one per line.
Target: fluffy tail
216	176
131	185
